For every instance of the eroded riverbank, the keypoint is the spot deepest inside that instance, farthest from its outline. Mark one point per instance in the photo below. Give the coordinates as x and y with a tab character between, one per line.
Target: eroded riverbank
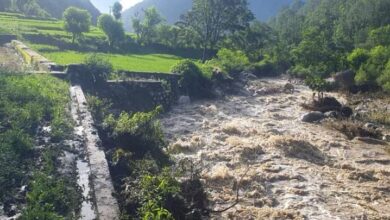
282	167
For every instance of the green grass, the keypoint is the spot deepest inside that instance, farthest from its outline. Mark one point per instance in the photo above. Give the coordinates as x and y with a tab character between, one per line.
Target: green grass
133	62
25	28
21	113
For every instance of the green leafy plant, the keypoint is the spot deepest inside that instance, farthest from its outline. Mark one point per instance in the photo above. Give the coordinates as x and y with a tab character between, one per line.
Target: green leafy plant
232	61
192	82
319	85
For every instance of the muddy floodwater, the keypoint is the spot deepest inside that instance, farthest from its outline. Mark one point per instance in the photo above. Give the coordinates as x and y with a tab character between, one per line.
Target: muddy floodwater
283	168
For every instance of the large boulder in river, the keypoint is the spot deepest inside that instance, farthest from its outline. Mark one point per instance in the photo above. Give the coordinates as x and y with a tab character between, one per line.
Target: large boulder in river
345	79
312	117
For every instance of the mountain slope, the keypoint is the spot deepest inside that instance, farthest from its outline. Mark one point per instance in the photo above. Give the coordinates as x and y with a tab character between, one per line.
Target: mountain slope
172	9
56	8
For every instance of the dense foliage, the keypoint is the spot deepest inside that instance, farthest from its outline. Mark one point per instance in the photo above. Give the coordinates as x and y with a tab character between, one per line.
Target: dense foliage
193	82
76	21
112	28
21	112
321	37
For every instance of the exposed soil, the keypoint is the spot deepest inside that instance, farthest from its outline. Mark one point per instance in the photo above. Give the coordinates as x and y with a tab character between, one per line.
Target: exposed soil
283	168
10	60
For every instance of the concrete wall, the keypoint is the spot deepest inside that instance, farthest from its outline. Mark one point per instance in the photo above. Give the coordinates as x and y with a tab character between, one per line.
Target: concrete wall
37	61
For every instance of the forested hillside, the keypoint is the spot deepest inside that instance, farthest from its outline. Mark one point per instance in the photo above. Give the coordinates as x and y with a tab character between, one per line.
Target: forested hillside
321	37
172	9
47	8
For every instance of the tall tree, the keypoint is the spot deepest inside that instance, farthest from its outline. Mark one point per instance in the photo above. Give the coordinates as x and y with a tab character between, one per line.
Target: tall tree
146	29
76	21
117	10
112	29
212	20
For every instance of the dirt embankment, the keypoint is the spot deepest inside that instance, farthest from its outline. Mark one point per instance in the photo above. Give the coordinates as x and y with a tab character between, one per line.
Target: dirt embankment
283	168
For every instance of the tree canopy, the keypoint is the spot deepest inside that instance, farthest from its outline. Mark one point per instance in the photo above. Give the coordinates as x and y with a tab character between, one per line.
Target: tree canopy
112	29
76	21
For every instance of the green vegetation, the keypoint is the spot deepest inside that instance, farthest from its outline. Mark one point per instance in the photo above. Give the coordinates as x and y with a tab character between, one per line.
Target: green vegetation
113	29
76	21
193	82
133	62
21	113
49	38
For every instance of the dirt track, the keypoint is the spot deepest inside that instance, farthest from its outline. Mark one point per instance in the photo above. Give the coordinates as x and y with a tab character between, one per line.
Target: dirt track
288	169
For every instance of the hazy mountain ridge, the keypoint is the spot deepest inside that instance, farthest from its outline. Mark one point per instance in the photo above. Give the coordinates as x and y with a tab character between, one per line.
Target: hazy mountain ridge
172	9
56	8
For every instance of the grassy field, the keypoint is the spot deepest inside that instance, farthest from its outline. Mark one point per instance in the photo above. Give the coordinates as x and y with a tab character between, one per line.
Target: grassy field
134	62
34	33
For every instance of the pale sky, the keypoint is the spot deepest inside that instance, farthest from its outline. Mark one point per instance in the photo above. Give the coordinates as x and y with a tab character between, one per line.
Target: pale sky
128	3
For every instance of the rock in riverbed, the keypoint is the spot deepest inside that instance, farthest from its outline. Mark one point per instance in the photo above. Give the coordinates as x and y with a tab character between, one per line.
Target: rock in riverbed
312	117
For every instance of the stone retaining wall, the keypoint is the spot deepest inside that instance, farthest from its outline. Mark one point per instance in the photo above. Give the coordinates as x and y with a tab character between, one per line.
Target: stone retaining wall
37	61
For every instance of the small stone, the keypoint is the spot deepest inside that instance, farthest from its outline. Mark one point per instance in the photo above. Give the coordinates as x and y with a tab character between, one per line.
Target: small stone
370	126
331	114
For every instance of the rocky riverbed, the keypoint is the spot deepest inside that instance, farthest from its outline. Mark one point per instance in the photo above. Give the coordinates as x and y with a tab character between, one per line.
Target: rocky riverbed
255	144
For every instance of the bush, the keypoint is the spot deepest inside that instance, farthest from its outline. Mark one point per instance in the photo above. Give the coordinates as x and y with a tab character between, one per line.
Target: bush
156	191
384	79
98	67
357	58
193	82
299	71
232	61
372	69
318	84
264	68
139	133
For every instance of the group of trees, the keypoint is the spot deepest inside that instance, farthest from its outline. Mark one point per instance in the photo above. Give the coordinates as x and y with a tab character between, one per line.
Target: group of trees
78	21
321	37
28	7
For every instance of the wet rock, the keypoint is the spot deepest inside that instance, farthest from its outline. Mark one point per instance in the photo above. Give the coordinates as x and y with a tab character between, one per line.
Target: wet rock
184	100
345	79
331	102
346	112
371	126
312	117
331	114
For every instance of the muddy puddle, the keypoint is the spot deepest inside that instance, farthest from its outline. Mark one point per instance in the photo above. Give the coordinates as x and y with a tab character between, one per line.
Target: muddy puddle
281	167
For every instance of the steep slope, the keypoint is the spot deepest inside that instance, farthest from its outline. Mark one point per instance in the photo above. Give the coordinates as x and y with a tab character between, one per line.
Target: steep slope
56	8
172	9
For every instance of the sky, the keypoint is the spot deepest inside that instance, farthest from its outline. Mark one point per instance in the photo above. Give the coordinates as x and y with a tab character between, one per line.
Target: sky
104	5
128	3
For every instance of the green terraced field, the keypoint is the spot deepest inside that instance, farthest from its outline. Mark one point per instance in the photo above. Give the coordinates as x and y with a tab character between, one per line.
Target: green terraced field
34	32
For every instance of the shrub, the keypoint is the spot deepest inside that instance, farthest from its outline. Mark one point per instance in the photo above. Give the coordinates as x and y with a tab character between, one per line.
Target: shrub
357	58
139	133
299	71
192	82
370	71
264	68
318	84
98	67
232	61
156	191
384	79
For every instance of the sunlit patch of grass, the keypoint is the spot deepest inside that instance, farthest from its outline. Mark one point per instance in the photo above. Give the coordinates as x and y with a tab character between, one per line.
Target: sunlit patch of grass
132	62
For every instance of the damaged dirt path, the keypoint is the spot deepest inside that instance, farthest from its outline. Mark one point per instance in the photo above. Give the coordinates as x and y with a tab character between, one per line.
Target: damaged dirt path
96	174
288	169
